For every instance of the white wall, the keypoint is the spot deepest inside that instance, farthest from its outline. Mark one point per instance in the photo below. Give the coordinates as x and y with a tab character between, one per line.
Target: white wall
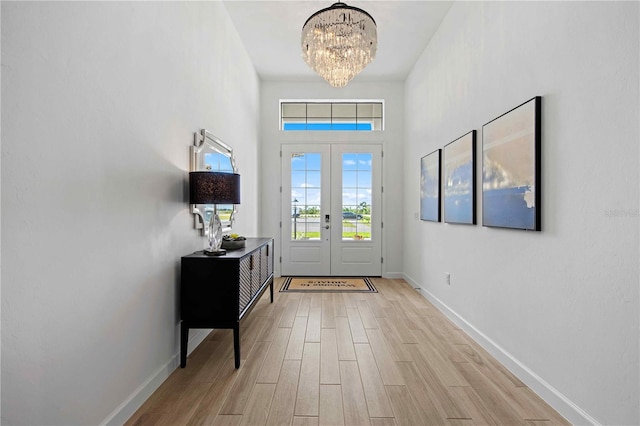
0	229
559	307
100	103
392	139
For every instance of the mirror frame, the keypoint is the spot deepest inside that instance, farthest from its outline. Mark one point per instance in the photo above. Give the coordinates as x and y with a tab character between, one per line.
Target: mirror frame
204	143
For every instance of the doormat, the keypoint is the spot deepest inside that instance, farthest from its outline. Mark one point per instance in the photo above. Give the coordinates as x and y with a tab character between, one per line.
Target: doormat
328	284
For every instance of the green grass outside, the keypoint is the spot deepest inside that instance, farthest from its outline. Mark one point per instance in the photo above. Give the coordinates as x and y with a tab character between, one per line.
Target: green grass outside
366	218
316	235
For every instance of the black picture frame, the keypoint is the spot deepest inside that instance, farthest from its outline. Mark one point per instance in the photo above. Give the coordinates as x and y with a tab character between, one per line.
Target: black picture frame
430	177
511	169
459	180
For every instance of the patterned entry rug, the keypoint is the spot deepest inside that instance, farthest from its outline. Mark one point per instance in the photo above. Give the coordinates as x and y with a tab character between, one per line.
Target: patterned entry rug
328	284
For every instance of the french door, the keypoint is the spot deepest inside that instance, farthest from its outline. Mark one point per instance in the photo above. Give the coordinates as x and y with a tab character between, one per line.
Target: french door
331	212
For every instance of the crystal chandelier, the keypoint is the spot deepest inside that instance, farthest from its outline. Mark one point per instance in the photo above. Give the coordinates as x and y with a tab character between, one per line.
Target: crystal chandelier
338	42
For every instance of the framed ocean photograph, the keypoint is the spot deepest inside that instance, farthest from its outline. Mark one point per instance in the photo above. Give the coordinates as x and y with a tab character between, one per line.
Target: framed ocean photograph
430	166
458	180
511	168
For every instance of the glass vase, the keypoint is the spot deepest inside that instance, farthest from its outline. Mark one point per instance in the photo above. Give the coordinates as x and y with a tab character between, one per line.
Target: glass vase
215	233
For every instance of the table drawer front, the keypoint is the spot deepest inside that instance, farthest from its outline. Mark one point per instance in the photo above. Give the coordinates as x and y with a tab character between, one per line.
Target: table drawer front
270	258
245	283
264	263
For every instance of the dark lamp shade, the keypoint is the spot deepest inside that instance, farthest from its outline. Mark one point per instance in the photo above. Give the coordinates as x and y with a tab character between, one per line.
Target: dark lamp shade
214	188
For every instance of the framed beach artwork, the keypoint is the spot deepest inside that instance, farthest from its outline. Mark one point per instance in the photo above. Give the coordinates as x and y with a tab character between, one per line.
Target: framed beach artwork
458	180
430	166
511	168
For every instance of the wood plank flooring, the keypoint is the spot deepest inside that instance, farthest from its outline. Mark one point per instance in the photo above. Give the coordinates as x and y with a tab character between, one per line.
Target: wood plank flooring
387	358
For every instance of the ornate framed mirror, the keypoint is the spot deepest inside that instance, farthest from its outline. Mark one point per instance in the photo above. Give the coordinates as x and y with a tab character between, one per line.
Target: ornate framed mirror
209	153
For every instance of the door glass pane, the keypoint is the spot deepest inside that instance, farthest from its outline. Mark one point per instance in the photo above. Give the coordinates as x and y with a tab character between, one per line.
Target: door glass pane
364	179
356	196
305	196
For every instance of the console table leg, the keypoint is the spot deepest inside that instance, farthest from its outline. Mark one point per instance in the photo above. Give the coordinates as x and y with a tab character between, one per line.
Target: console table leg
184	340
236	343
271	289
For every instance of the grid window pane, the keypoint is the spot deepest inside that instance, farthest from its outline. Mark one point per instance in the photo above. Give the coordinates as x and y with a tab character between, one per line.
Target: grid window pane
364	162
315	121
370	110
364	197
298	161
344	111
364	179
367	126
294	124
349	179
312	196
356	196
349	162
365	110
305	196
294	110
319	110
338	116
313	179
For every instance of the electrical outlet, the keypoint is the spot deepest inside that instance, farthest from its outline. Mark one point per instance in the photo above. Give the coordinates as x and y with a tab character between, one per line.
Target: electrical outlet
448	278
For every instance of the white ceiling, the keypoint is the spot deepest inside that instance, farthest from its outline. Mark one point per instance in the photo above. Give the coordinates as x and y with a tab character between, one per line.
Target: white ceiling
270	31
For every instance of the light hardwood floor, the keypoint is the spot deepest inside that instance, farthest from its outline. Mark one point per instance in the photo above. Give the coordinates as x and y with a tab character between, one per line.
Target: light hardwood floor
387	358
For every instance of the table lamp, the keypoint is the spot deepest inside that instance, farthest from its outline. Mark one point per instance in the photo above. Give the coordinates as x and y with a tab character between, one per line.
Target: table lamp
214	188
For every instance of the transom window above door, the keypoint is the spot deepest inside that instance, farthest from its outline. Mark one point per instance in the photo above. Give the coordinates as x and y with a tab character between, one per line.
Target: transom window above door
362	115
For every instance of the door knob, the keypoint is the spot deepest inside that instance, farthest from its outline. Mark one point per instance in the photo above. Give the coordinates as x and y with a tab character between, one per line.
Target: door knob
326	227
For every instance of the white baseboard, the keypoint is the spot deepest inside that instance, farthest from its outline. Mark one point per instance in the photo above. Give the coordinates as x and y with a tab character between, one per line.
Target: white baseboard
542	388
393	275
131	404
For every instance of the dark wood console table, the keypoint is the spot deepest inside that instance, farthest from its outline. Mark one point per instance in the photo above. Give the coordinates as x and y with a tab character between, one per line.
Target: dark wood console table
220	291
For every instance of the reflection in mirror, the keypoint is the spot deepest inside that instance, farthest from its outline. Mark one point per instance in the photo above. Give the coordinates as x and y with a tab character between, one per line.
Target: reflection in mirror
209	153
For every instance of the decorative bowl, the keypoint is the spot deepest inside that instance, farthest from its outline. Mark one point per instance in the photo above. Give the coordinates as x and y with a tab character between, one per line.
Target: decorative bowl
233	244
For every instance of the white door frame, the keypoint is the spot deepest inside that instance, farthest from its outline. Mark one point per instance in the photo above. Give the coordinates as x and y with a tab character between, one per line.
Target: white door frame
330	254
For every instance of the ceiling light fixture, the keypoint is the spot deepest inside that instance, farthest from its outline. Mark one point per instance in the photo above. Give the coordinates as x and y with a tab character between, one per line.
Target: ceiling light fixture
338	42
